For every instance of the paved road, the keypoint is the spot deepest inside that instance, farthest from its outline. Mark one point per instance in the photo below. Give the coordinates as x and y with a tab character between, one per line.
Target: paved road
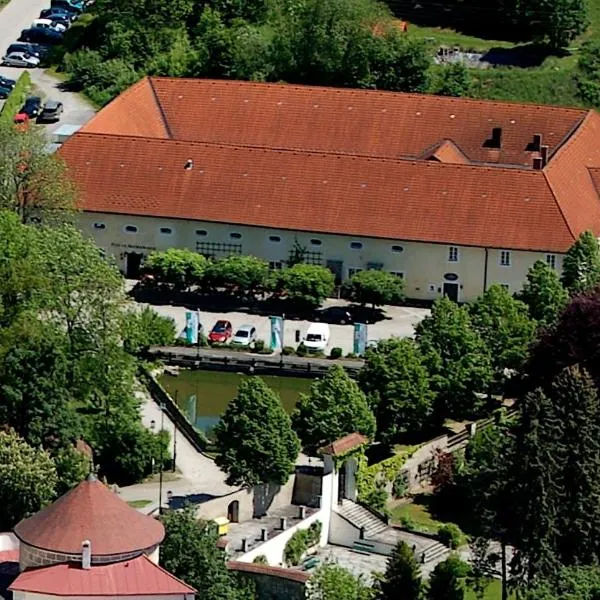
16	16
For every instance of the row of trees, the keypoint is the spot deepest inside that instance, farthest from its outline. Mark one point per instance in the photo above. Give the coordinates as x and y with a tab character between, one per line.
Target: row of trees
303	286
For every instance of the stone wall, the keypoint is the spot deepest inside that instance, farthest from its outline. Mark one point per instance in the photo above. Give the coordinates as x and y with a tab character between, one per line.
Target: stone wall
273	583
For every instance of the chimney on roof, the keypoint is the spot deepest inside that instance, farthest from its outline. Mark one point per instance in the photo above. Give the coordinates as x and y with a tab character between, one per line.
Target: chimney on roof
537	142
537	163
496	137
544	153
189	164
86	554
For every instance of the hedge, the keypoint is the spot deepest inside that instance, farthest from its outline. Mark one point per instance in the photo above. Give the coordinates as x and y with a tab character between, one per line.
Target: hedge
16	98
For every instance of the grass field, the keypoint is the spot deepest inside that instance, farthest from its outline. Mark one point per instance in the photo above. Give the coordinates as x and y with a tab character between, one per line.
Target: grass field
417	514
492	592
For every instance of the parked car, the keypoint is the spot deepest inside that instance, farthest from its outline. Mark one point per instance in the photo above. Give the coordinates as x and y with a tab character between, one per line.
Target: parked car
340	315
4	91
32	107
20	59
51	112
221	332
49	24
40	35
56	13
21	119
71	5
7	83
33	49
317	337
244	336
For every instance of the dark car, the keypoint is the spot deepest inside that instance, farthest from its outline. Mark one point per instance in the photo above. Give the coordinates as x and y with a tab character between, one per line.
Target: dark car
41	35
32	107
51	112
56	12
4	91
33	49
5	82
221	332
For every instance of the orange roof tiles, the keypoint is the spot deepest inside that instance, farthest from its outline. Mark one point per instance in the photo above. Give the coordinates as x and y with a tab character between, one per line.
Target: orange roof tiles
136	577
342	161
91	512
345	444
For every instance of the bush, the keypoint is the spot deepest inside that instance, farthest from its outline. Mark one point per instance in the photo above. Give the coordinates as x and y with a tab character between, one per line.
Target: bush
335	353
351	355
261	559
408	523
451	535
300	542
288	351
259	345
16	98
400	486
302	350
376	500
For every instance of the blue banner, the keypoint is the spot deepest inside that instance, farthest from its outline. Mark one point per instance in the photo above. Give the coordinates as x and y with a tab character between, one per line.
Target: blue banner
360	338
191	327
276	333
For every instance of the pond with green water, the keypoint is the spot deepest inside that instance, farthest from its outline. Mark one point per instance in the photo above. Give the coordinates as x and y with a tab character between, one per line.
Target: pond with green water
203	396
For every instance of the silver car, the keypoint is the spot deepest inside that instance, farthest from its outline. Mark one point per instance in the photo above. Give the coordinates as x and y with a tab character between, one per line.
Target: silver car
20	59
244	336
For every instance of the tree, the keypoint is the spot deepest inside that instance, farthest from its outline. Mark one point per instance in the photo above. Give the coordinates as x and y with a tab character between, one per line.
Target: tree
544	294
560	21
402	575
178	267
588	73
72	467
447	580
505	326
334	407
255	441
189	551
457	358
567	583
581	265
397	385
454	80
305	286
375	287
27	479
245	275
332	582
145	328
33	182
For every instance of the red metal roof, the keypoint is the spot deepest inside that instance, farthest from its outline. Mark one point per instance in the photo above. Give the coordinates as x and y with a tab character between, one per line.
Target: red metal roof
91	512
137	577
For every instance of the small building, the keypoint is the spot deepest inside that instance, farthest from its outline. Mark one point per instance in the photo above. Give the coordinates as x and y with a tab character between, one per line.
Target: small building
450	194
89	544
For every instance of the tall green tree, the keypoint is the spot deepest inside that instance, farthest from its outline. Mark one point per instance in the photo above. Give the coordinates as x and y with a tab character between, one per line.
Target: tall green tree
505	326
189	551
447	580
27	479
145	328
34	183
567	583
332	582
334	407
244	275
559	21
543	293
255	441
457	358
375	287
581	265
454	80
178	267
304	286
397	384
402	575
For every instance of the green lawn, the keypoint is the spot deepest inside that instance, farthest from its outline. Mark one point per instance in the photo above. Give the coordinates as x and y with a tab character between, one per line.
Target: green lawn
139	503
492	592
417	513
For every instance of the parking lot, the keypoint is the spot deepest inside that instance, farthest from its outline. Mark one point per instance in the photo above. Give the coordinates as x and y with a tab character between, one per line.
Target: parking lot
16	16
400	321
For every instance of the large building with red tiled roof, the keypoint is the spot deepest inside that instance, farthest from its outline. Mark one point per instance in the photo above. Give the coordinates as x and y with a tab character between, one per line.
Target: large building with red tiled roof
451	194
91	543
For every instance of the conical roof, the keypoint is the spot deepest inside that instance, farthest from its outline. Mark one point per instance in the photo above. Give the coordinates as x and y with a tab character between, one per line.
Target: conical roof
91	512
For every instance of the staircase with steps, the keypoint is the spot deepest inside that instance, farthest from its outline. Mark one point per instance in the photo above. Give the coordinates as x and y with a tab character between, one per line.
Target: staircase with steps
360	517
427	550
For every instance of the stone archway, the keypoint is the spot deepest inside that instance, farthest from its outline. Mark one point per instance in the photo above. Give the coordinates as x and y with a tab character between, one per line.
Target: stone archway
233	511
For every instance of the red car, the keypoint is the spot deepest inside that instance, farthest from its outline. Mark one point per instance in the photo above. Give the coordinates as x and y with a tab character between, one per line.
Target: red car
221	332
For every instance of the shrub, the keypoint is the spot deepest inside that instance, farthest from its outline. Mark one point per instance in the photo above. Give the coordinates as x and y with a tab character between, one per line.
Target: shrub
259	345
408	523
335	353
351	355
261	559
302	350
400	486
287	351
376	500
300	542
16	98
451	535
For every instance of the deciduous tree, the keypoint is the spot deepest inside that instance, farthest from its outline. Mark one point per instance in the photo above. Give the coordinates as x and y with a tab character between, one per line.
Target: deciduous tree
145	328
178	267
544	294
27	479
255	441
581	265
334	407
457	359
240	274
447	580
454	80
332	582
305	286
375	287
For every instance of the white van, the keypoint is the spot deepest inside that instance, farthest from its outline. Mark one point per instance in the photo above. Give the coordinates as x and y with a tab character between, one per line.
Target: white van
317	337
